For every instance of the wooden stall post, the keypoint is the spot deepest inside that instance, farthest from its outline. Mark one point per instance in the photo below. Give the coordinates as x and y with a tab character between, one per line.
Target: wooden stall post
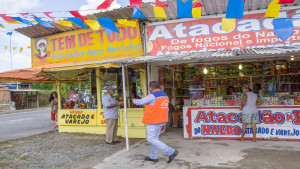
99	88
143	82
125	105
59	90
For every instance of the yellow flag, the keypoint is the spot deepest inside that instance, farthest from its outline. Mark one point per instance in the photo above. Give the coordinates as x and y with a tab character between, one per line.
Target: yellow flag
65	23
159	13
1	25
34	21
28	47
5	47
196	12
273	10
14	48
21	49
228	24
126	22
93	24
275	2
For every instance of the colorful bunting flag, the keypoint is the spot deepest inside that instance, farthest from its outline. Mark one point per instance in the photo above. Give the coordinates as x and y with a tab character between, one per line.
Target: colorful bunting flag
5	47
65	23
22	20
196	12
196	4
78	22
126	22
108	25
78	15
9	33
137	13
94	25
135	2
21	49
283	28
2	26
161	4
106	4
44	23
235	9
48	14
273	10
9	19
286	1
228	24
184	9
14	48
159	12
28	15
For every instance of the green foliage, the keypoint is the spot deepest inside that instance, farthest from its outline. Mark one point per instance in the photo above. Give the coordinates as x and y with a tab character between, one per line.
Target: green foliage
44	86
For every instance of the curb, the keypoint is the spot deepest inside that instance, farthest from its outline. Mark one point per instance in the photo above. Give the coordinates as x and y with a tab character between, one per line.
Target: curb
23	110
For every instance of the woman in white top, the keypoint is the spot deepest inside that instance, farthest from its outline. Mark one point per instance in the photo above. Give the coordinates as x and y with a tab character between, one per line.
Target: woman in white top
249	110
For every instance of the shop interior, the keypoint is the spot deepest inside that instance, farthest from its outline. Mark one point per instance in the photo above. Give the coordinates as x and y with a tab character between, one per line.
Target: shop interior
213	84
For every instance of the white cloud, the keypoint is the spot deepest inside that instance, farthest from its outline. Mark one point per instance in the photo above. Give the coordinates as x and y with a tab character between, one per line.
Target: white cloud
19	60
93	4
16	6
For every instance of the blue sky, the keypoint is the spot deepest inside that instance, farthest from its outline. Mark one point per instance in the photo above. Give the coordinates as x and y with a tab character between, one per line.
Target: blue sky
12	7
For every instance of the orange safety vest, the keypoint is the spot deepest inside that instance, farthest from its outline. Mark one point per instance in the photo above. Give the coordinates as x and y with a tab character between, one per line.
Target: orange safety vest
157	113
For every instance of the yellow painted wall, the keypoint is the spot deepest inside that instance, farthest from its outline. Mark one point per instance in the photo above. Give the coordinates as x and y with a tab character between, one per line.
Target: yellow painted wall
136	129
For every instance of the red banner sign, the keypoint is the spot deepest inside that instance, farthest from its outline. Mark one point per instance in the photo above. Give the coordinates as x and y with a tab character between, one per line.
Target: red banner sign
253	31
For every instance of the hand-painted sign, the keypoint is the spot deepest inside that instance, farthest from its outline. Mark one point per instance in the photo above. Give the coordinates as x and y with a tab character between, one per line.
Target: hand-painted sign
226	122
86	44
253	31
77	117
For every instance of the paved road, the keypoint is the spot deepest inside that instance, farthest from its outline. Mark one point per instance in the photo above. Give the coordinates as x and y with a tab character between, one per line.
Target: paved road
24	124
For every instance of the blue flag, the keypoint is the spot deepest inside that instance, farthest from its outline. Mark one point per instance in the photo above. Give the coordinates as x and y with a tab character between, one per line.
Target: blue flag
184	9
235	9
283	28
44	23
78	22
22	20
108	25
137	12
9	33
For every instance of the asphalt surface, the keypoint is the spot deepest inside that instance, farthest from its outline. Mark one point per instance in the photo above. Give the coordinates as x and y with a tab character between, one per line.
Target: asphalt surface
24	124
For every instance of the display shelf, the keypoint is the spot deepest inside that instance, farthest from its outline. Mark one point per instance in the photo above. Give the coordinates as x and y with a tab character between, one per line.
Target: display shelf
188	80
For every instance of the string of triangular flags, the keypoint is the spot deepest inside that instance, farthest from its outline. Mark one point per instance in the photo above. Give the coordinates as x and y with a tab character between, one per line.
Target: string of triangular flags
14	48
187	9
283	27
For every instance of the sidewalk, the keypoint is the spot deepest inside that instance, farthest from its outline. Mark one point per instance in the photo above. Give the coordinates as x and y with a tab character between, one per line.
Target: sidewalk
208	153
25	110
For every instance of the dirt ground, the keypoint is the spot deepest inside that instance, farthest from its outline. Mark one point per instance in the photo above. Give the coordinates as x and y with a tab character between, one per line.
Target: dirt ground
57	150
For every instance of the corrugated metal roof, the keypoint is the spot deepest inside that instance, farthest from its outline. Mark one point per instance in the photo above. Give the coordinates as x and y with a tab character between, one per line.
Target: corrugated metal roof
219	56
212	7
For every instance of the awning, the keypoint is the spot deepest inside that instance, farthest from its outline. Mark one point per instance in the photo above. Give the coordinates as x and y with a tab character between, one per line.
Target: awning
217	57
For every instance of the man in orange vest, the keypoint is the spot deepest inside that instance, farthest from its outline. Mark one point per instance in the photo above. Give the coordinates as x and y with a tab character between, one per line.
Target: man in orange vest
155	116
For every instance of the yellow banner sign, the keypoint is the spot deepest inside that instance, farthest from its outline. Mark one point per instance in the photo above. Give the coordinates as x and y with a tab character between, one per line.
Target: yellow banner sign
78	117
87	44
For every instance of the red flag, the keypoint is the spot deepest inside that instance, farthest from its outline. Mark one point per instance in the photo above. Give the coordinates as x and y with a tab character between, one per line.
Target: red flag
27	14
106	4
138	3
8	19
48	14
161	4
286	1
77	14
197	4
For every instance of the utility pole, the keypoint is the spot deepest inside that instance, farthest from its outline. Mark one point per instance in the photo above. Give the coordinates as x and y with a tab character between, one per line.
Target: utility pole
10	53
